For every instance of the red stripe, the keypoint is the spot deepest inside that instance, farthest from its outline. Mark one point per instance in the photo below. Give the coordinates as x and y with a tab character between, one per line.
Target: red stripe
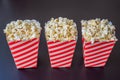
62	52
66	42
99	48
60	57
62	48
96	60
26	52
51	42
13	42
25	48
93	46
98	52
57	45
96	64
62	61
17	46
26	61
24	57
89	43
26	66
96	57
62	65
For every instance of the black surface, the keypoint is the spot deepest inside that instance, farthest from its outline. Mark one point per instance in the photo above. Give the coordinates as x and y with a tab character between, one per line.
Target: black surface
43	10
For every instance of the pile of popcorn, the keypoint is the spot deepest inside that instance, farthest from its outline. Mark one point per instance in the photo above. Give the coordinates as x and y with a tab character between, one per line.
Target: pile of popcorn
98	30
61	29
22	30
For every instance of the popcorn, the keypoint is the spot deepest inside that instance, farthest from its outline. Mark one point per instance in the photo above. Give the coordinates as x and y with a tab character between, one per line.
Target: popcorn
61	29
22	30
98	30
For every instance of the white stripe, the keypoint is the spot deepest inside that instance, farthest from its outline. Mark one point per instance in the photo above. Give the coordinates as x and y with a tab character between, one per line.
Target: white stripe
94	44
32	65
100	65
57	64
15	44
25	55
22	65
89	45
100	46
95	63
70	52
95	55
28	49
54	44
26	45
58	60
97	42
93	52
60	51
35	50
55	48
96	59
24	60
18	43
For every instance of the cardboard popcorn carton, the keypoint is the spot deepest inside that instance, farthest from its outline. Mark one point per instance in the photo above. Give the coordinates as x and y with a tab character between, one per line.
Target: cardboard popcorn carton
61	53
97	54
61	36
25	53
98	36
23	40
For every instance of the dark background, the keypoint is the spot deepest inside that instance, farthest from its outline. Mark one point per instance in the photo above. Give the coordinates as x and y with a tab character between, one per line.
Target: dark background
43	10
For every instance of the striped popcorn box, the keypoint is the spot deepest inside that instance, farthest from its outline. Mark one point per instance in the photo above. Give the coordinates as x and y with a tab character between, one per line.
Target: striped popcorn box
61	53
97	54
25	53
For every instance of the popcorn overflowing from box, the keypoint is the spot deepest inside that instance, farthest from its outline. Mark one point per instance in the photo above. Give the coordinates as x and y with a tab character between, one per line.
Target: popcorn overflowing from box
98	41
23	40
61	36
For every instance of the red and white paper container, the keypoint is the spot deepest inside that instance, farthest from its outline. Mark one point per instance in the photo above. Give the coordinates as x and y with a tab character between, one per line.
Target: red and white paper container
61	53
97	54
25	53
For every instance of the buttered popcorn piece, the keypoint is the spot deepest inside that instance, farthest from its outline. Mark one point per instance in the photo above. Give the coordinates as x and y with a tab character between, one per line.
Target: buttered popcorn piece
98	30
22	30
61	29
